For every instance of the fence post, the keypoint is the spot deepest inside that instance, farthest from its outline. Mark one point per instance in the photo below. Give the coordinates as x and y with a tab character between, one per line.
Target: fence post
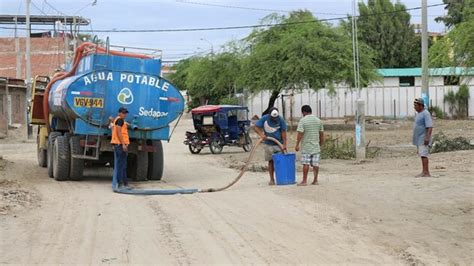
360	130
394	109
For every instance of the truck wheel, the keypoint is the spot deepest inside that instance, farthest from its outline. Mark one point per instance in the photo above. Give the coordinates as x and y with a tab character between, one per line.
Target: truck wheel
42	154
155	162
137	166
49	162
76	172
61	158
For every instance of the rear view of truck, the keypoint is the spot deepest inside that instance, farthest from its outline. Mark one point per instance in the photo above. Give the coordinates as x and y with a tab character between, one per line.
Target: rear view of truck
74	108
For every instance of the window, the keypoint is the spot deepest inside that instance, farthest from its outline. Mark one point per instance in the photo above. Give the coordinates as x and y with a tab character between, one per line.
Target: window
406	81
451	80
207	121
242	115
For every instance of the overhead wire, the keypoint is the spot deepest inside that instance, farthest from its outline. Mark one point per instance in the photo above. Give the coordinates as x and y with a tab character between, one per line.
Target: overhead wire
252	8
244	26
264	9
54	8
39	9
56	57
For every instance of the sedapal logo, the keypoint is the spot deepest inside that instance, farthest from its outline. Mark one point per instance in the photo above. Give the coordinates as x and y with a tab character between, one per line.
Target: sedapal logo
125	96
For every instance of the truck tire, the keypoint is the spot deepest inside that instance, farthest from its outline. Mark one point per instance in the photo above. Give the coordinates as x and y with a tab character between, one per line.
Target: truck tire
61	158
76	171
155	162
137	166
49	162
42	154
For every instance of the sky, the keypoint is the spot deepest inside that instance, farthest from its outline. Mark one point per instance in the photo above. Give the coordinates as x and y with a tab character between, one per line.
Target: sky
173	14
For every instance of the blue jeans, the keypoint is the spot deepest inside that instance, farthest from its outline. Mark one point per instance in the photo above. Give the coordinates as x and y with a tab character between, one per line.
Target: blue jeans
120	166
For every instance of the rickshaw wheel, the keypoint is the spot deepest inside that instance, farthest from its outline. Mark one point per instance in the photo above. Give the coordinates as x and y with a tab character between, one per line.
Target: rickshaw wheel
215	146
248	143
194	149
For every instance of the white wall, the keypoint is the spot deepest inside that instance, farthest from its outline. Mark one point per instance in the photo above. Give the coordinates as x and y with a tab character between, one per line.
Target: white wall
386	101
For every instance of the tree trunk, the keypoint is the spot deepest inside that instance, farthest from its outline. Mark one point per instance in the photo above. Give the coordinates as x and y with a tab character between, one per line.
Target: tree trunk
271	101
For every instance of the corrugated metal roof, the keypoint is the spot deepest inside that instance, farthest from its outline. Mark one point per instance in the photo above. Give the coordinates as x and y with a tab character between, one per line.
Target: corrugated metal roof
416	72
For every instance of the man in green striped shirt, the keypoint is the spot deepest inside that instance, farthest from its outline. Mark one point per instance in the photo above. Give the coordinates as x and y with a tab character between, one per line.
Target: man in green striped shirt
311	136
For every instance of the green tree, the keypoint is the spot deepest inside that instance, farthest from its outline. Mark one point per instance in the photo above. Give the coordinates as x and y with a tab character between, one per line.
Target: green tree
385	27
440	53
299	55
208	79
456	48
456	12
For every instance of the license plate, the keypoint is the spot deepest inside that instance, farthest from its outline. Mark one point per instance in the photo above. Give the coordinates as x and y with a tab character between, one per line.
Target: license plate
89	102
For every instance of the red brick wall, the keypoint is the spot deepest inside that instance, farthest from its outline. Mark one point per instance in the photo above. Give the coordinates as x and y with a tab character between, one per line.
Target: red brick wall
47	54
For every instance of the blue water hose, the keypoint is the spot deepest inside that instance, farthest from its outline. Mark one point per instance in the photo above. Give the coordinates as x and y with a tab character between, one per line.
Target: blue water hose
134	191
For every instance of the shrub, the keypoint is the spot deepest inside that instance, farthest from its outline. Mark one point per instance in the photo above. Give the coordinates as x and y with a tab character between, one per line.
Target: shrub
436	111
458	102
441	143
335	149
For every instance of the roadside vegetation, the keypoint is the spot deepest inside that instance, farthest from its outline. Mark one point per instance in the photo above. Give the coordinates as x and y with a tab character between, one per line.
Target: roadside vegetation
344	148
297	51
442	143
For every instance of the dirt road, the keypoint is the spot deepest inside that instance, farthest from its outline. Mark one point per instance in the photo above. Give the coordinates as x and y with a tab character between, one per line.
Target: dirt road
357	215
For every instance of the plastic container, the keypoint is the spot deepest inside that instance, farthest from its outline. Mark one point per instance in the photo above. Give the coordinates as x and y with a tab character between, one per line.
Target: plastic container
285	169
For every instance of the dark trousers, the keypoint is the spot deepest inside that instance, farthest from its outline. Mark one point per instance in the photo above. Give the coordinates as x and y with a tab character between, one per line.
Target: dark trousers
120	165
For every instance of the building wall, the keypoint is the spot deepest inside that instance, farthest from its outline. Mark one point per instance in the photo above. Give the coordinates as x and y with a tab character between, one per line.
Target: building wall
47	54
17	95
381	101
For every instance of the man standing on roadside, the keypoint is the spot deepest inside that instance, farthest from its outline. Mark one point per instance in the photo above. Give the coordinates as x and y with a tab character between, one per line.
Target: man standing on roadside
422	129
272	125
311	136
120	143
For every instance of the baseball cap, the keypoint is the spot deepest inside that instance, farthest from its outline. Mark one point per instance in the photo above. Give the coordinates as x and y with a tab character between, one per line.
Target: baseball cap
123	110
274	113
419	101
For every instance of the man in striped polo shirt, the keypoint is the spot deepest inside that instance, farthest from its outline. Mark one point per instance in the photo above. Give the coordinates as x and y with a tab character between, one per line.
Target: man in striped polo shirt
311	136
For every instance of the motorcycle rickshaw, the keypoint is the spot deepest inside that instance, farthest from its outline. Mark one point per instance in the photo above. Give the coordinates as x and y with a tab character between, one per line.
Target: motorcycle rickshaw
218	126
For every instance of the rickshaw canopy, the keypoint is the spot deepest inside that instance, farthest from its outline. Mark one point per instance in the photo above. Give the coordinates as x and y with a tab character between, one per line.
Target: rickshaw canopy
208	109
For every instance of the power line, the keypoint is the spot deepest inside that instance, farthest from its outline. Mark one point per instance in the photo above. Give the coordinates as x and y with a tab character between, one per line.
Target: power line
40	10
52	7
251	8
264	9
239	27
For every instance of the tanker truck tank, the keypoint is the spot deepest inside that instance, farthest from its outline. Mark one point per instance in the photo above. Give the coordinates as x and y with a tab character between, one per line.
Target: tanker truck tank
80	103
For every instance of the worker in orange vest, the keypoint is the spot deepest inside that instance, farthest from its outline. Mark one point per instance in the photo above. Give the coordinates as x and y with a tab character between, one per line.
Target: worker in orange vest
120	143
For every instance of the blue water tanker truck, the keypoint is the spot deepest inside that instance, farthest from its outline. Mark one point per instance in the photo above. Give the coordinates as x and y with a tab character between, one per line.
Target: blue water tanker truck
74	109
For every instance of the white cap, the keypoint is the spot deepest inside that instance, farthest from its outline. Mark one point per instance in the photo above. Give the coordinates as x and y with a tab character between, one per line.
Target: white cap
274	113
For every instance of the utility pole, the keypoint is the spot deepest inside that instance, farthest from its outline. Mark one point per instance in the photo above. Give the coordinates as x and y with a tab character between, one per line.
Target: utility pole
66	42
17	50
360	103
425	91
28	67
74	33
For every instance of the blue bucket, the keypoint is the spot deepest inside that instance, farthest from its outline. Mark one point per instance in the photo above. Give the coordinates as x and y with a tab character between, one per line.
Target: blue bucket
285	169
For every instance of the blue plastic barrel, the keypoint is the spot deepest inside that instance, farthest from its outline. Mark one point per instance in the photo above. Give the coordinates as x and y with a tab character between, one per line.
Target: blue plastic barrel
285	169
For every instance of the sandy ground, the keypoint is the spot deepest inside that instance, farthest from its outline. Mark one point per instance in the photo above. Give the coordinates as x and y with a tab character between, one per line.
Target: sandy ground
369	213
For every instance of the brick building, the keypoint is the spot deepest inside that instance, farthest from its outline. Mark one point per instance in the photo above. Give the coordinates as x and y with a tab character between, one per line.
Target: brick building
47	54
